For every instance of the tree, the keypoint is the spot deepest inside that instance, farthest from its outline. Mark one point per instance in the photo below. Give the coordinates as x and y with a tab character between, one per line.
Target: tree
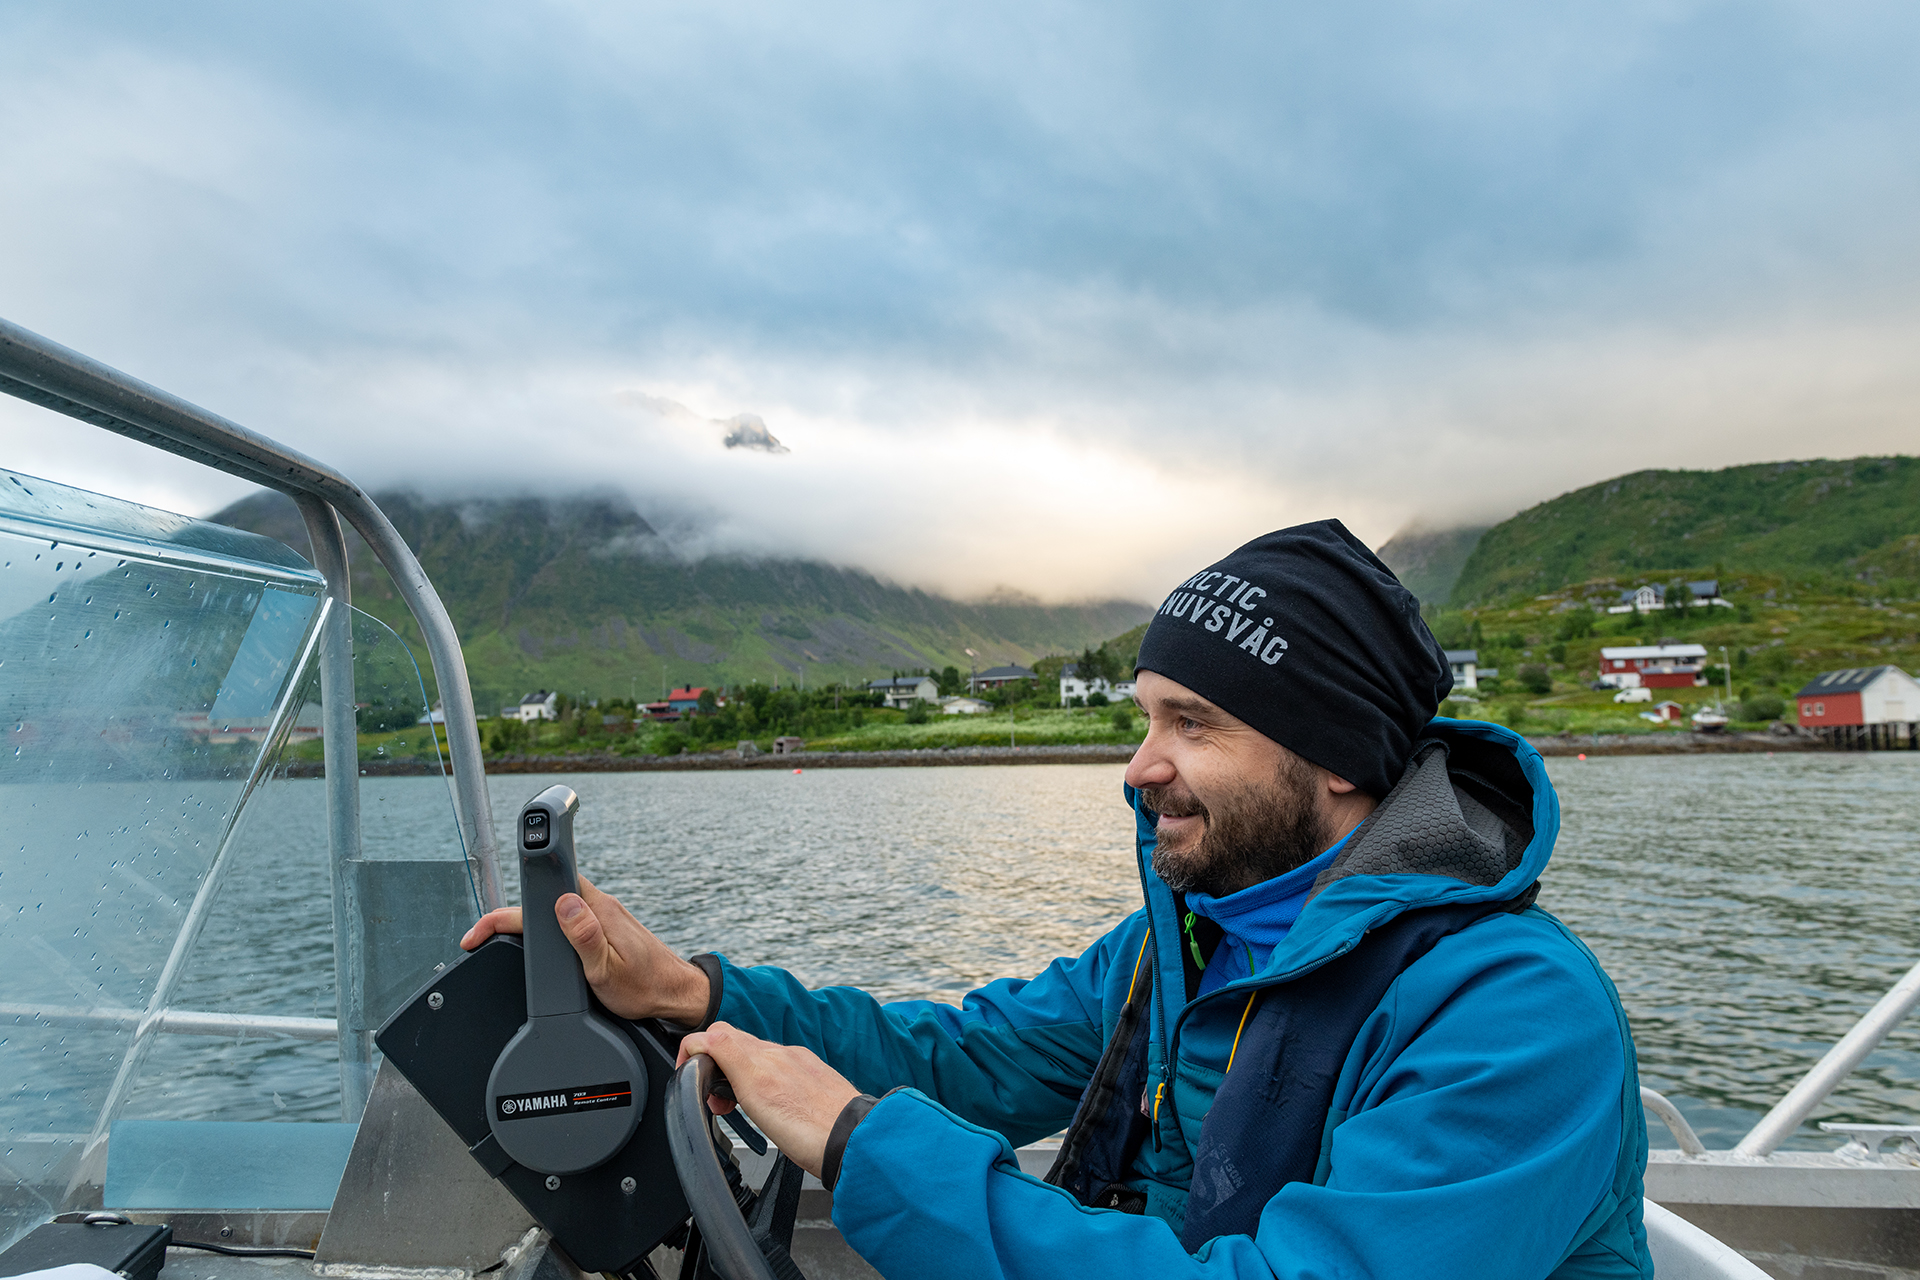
1535	680
709	703
381	716
951	681
1576	624
1096	664
1450	629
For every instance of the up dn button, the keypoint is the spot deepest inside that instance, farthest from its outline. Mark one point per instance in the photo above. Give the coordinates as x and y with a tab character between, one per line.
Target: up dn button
536	831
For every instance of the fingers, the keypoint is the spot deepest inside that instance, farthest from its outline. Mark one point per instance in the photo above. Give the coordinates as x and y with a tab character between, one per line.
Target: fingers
791	1094
588	936
500	920
712	1042
724	1044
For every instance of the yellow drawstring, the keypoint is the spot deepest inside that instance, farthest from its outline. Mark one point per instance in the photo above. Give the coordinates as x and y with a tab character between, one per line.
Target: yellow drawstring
1134	981
1247	1013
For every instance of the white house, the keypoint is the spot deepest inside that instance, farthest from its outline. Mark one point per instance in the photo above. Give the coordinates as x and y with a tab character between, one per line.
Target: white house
535	706
1072	686
902	691
962	706
1647	599
1466	667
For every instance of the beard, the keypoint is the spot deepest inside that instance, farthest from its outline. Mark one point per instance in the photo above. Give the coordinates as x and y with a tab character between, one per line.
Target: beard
1255	832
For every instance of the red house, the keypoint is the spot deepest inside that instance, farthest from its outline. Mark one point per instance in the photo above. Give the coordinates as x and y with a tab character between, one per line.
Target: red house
1653	666
684	700
1860	696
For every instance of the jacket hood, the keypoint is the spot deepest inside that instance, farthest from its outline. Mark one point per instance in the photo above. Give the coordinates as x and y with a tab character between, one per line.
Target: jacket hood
1472	819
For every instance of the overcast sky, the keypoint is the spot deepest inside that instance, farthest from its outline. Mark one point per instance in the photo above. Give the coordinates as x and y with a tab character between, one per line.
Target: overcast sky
1070	299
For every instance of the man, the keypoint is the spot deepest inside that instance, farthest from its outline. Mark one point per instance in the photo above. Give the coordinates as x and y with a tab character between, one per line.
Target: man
1338	1040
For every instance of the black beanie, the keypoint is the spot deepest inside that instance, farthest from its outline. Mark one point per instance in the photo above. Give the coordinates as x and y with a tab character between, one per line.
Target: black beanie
1307	637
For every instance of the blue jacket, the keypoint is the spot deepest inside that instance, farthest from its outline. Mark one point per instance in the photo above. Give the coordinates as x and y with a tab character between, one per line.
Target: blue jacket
1486	1121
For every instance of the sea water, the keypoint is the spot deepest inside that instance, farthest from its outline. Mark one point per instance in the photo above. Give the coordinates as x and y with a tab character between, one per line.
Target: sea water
1749	907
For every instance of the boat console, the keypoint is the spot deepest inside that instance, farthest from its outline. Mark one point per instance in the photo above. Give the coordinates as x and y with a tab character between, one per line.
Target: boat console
183	769
576	1111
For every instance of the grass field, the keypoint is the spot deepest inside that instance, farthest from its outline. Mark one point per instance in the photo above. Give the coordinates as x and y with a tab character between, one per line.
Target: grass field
1028	727
883	731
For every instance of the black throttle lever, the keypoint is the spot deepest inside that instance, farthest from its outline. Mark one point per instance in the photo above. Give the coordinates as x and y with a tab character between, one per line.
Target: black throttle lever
569	1089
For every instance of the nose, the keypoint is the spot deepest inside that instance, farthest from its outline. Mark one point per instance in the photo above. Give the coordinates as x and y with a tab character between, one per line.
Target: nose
1150	766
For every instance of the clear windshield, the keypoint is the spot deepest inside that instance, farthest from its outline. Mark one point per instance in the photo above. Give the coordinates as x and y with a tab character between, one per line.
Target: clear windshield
146	662
168	861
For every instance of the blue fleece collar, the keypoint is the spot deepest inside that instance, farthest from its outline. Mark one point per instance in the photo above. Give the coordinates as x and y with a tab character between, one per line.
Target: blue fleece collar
1262	913
1257	918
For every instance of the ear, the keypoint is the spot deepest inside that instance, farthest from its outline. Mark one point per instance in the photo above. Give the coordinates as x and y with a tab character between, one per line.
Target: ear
1338	785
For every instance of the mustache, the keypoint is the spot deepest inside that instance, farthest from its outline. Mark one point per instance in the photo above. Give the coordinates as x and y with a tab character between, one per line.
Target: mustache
1171	803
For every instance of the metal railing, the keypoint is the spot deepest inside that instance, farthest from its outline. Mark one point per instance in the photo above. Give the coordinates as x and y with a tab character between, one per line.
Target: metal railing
1792	1111
180	1022
1676	1123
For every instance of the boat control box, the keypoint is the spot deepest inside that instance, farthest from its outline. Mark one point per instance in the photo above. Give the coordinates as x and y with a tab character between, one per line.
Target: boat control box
556	1097
569	1089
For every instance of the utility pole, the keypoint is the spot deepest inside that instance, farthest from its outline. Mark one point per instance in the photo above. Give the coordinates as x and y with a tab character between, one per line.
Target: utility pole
1726	667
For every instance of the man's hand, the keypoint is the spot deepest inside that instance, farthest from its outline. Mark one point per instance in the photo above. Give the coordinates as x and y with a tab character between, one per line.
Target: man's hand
788	1092
634	973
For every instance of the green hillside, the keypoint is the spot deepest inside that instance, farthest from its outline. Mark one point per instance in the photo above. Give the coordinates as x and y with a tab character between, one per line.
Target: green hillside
1824	520
1777	635
1428	561
582	595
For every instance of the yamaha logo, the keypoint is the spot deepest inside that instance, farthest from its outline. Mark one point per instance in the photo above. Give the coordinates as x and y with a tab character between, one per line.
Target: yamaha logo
597	1097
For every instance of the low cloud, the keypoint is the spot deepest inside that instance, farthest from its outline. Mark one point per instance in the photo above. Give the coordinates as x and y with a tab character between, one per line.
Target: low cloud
747	431
1068	300
742	431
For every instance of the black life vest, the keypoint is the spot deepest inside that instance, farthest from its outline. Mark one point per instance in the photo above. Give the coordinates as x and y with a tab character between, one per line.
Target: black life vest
1269	1116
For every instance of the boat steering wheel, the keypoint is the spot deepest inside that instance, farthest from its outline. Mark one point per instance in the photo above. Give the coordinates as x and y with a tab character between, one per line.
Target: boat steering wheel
743	1236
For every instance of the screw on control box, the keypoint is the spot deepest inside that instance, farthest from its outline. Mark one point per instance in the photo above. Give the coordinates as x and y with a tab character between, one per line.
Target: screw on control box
569	1089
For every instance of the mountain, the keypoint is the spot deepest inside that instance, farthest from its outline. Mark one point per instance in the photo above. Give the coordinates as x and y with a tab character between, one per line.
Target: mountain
1815	519
582	594
1428	561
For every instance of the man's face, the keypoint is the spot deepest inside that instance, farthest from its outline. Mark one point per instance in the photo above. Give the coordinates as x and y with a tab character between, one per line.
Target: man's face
1235	806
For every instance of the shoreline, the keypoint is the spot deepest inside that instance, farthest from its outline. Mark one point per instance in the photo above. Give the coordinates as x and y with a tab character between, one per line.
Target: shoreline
1677	743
